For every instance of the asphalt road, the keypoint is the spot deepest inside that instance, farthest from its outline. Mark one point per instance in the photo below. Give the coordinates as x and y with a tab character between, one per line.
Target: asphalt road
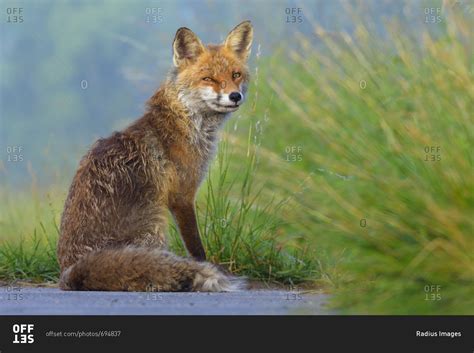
52	301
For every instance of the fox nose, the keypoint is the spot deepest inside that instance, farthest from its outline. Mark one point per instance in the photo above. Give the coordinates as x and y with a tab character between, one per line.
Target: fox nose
235	97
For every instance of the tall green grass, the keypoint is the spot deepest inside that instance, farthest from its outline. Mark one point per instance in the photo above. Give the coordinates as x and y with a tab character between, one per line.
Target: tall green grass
242	232
28	234
385	131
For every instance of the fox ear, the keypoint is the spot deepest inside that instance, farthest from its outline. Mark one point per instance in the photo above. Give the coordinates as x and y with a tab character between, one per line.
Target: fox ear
239	40
186	46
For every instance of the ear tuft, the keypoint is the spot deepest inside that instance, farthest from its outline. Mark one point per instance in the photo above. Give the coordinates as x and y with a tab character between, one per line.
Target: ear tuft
186	47
239	40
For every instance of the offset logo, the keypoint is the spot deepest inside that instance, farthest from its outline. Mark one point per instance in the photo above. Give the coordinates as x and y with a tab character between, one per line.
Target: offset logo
23	333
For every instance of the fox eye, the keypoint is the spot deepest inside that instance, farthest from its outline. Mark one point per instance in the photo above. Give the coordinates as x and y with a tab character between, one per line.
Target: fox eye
236	75
207	79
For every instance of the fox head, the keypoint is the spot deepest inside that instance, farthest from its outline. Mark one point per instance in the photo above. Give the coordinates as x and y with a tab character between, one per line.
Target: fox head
212	78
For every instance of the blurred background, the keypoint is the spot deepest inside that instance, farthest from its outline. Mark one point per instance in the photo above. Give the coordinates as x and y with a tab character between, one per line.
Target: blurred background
75	70
348	169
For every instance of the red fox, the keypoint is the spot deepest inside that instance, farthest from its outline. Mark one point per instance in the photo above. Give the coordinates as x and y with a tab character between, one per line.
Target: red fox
112	233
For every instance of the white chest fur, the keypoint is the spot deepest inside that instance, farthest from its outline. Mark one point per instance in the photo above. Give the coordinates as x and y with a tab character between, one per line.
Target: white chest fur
205	133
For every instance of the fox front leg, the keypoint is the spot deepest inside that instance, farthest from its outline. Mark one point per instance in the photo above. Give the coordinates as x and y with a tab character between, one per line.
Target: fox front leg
185	216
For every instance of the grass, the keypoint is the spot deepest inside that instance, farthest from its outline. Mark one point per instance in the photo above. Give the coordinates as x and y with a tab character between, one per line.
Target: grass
29	233
238	231
381	134
355	175
242	232
29	259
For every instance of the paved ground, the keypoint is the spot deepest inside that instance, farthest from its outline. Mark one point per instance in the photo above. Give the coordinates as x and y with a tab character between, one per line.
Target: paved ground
52	301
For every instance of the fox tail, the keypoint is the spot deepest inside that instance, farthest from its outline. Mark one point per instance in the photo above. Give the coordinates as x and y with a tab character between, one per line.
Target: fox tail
143	269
